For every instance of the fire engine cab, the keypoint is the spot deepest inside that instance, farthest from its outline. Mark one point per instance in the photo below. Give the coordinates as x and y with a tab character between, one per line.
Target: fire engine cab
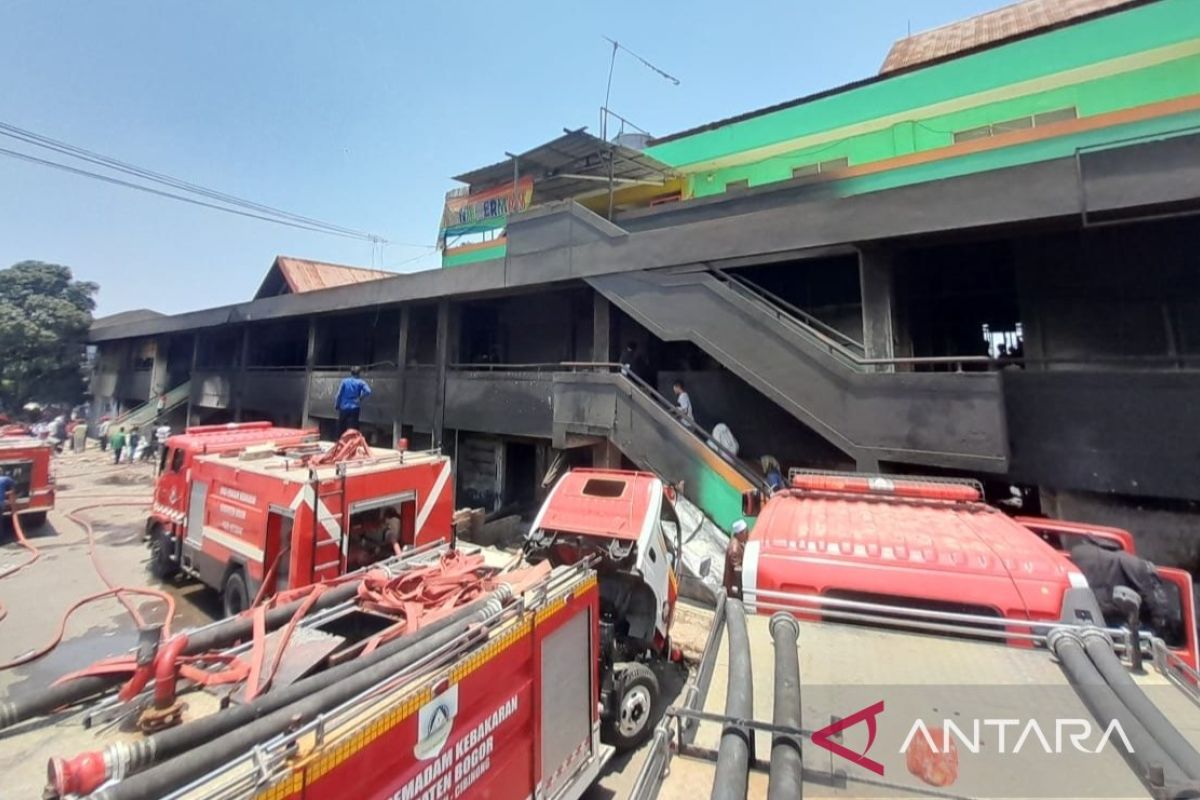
251	508
622	524
26	460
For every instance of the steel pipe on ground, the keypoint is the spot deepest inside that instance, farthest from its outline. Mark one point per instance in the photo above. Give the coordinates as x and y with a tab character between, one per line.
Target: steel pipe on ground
734	753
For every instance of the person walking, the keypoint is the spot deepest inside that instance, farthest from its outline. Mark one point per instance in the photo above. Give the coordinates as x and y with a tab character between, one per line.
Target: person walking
102	430
134	436
772	472
161	434
351	393
8	499
80	436
724	437
683	402
117	440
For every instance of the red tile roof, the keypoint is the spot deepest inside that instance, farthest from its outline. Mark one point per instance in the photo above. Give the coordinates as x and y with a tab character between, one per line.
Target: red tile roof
989	28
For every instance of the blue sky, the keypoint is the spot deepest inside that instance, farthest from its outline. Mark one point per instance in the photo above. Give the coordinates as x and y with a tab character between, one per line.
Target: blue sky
358	112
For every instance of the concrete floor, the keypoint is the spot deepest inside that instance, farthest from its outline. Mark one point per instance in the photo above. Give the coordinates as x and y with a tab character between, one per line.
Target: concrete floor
38	595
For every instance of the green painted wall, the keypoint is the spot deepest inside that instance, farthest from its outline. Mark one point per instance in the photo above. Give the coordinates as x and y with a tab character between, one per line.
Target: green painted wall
482	254
1166	23
1012	156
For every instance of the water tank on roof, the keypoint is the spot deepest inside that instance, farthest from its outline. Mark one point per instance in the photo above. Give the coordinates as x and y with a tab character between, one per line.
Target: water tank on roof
634	141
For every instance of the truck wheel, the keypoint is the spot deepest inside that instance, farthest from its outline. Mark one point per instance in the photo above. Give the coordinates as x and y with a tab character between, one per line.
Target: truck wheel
35	520
162	546
632	719
234	594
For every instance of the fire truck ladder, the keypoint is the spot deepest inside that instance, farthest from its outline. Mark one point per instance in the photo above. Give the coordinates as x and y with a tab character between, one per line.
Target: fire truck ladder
330	537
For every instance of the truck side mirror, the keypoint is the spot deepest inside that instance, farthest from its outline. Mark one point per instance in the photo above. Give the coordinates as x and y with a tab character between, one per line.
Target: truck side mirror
752	503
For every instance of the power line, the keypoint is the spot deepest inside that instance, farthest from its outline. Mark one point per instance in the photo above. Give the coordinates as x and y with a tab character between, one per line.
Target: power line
100	159
118	182
252	209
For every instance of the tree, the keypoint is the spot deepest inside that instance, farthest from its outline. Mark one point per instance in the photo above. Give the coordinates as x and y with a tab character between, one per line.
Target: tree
44	319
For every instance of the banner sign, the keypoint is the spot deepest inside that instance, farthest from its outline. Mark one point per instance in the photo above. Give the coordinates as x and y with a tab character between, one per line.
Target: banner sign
483	211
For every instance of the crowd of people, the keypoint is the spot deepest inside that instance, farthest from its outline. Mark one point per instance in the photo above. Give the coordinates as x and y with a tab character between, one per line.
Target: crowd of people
69	431
130	443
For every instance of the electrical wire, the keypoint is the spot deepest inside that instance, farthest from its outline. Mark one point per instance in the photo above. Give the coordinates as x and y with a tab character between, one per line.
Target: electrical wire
99	159
117	181
223	201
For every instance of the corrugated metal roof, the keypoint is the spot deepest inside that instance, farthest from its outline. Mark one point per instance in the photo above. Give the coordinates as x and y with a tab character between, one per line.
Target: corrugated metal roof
568	166
301	275
989	28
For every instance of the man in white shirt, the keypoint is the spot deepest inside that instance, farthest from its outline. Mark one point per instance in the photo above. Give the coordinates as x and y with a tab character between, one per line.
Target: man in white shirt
725	438
160	441
683	403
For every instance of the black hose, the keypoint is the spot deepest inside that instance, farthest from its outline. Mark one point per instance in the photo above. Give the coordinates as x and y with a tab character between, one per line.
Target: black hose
241	628
1146	758
1099	650
214	637
218	739
733	756
786	779
35	704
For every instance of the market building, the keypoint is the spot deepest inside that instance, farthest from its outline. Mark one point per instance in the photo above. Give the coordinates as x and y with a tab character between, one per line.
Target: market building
980	261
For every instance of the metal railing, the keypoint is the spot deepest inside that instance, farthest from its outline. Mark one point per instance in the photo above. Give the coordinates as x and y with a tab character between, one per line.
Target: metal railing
853	352
838	342
642	388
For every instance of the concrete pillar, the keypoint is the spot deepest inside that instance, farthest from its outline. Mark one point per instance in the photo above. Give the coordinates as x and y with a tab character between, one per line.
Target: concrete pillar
885	333
445	353
401	363
605	455
601	328
239	387
310	356
158	373
192	376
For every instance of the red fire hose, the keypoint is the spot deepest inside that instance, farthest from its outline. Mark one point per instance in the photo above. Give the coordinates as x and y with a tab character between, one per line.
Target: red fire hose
113	590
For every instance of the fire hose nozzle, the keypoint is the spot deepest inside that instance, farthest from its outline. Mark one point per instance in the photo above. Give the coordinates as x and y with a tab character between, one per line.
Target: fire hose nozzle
80	775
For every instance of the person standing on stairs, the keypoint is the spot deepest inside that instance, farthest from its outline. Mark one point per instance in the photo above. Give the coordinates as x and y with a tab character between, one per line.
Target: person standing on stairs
351	393
683	402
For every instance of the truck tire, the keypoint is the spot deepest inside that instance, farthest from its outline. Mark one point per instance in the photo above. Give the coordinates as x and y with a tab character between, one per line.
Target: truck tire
632	720
235	597
162	547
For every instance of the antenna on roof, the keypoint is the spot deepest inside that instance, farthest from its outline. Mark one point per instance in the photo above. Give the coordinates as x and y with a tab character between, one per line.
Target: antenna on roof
608	88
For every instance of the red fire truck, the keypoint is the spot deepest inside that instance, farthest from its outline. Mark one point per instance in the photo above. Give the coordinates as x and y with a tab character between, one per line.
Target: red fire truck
491	691
240	505
868	607
27	461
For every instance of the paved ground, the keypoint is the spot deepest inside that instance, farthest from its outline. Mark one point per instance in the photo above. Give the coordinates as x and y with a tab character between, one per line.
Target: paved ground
38	595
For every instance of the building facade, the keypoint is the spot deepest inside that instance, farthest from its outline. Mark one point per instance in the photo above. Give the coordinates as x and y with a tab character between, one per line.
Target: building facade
980	262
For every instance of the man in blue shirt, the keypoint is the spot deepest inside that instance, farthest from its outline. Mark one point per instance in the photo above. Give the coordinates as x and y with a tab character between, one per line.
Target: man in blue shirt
8	498
349	400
